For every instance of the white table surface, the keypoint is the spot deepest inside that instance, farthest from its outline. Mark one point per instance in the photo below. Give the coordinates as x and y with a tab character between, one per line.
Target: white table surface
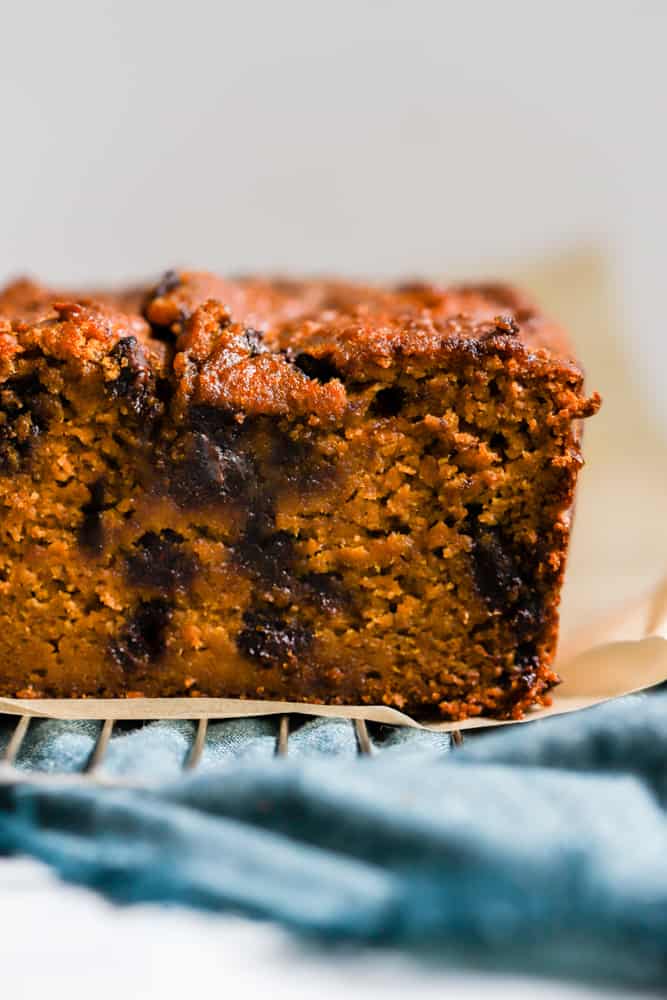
61	941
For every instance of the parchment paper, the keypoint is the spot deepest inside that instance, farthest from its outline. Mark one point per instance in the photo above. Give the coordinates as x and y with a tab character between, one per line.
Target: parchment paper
614	614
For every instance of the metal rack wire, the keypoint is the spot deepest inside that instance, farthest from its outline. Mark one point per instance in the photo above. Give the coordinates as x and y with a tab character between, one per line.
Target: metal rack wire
93	769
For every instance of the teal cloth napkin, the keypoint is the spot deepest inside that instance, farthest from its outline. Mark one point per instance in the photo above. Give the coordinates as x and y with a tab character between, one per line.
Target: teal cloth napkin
540	847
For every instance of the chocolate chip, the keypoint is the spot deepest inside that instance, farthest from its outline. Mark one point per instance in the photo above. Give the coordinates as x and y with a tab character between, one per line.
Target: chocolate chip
164	391
169	281
44	410
319	369
160	561
143	640
268	556
256	460
210	462
498	442
134	383
204	471
166	334
495	574
326	590
505	576
388	402
526	656
473	512
270	640
528	619
91	531
215	422
27	412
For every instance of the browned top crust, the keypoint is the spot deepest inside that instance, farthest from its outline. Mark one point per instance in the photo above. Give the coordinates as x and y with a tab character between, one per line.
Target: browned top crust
255	345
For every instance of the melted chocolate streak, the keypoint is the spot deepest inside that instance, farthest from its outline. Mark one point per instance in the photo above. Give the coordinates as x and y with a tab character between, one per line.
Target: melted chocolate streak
505	576
159	561
270	640
212	461
31	401
218	464
143	640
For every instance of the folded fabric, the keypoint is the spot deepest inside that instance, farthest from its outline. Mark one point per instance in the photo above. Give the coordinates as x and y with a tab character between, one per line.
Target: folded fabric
540	847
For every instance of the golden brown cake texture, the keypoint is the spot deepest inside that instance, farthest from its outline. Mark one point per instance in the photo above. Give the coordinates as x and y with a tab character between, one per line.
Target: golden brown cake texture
311	491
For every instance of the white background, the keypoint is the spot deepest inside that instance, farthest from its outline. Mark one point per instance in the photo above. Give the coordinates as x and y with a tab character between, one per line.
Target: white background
375	138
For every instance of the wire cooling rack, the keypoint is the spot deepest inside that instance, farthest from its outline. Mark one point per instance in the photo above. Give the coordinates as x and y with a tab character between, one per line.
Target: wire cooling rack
93	768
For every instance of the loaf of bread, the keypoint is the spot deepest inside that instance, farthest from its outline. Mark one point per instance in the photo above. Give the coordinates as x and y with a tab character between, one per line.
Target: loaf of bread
307	491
